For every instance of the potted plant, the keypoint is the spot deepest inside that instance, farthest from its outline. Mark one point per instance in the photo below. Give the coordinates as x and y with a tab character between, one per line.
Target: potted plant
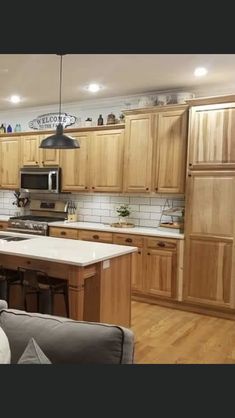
123	212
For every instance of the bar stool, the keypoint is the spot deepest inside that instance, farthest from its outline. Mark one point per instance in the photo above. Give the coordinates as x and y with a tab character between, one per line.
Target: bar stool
36	282
8	278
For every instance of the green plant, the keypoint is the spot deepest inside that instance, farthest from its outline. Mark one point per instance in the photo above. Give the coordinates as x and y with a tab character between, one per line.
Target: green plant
123	210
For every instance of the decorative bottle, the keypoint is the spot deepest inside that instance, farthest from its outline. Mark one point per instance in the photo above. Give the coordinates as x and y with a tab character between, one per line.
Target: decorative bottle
2	129
9	128
100	120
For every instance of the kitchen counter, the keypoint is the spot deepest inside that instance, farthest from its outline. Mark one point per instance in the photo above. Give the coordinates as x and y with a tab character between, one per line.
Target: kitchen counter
4	218
98	275
105	227
69	251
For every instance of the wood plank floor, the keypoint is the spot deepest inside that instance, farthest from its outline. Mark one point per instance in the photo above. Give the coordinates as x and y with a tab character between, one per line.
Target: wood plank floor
171	336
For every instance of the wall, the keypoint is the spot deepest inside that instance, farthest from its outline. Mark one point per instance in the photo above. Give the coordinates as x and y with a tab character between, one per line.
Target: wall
145	210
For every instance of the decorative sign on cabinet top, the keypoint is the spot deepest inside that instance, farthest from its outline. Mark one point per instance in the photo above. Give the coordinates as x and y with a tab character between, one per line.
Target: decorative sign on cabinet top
51	120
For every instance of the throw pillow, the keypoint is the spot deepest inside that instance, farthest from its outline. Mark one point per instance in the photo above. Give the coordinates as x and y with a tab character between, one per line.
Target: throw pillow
33	354
5	352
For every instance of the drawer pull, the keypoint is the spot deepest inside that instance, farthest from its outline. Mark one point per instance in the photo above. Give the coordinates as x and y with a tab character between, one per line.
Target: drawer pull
95	236
63	233
128	240
161	244
139	252
1	226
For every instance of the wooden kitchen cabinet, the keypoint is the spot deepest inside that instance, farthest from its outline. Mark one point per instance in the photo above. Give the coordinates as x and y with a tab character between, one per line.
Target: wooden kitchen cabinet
58	232
208	271
106	160
138	153
209	274
137	266
98	236
170	153
75	165
3	225
9	162
211	136
48	157
160	272
33	156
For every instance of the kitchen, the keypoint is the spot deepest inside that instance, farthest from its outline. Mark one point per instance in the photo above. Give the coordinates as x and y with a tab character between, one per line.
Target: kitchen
143	162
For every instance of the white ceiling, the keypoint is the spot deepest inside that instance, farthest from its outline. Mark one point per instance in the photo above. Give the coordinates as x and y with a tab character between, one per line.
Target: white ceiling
35	77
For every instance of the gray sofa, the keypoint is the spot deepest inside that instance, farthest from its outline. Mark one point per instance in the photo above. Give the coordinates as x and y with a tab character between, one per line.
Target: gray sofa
67	341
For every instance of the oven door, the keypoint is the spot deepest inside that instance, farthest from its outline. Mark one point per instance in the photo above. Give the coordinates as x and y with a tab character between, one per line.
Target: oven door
39	180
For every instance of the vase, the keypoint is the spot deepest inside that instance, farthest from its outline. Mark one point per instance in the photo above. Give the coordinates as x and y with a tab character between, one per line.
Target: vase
122	220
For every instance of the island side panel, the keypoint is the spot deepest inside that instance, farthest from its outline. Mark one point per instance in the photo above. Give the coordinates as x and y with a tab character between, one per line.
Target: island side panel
115	291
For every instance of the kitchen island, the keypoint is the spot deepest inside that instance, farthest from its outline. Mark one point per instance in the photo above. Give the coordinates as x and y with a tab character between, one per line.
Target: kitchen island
99	275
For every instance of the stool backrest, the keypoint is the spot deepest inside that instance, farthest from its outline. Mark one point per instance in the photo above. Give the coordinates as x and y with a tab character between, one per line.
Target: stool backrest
30	277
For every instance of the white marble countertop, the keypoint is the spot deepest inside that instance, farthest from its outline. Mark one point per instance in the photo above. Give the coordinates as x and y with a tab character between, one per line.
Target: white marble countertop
4	218
105	227
65	251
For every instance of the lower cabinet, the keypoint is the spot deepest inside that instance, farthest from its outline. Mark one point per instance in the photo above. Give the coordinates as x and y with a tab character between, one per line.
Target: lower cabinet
154	266
161	273
3	225
208	271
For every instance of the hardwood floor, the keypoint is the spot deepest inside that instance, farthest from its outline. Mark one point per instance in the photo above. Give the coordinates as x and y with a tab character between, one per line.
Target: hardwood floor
170	336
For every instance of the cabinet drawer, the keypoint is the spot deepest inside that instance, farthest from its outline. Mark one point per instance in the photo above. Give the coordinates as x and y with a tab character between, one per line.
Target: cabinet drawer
3	225
63	233
125	239
161	243
98	236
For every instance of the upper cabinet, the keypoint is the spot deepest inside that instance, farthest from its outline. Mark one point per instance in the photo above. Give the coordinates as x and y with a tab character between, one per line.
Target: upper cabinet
9	162
171	142
155	150
33	156
74	163
212	136
106	160
138	153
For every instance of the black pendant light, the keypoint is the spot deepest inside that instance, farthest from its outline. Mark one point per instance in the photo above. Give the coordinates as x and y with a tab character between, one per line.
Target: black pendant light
59	140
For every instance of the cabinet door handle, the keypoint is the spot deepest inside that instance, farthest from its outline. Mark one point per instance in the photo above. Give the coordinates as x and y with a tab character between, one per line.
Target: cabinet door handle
63	233
42	162
190	164
148	253
86	187
128	240
95	236
36	162
139	252
93	187
147	188
156	188
161	244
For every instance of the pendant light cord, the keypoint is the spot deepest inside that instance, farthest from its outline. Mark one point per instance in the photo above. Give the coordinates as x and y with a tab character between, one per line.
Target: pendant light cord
60	86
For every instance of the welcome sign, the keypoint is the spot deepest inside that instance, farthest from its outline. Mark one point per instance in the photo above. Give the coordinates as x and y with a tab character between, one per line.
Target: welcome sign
51	120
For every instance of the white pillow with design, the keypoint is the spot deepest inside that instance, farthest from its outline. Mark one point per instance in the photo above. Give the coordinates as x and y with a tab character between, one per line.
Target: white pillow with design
5	352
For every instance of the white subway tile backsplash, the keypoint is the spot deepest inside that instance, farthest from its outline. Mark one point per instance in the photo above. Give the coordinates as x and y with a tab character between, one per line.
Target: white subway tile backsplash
140	200
119	199
91	218
150	223
145	210
100	212
93	205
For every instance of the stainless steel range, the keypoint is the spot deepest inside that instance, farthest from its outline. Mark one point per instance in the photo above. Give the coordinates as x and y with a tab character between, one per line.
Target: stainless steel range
41	213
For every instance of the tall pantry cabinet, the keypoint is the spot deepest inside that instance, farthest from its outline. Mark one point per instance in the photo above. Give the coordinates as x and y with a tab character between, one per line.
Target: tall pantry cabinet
209	271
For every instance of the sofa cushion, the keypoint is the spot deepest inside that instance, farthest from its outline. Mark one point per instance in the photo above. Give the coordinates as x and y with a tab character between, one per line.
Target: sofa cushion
5	352
64	340
33	354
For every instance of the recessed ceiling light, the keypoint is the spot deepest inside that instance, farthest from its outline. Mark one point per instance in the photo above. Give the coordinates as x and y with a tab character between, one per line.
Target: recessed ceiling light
15	99
200	71
93	87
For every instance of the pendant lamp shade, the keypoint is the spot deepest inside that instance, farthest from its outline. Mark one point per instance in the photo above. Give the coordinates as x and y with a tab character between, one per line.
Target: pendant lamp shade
59	140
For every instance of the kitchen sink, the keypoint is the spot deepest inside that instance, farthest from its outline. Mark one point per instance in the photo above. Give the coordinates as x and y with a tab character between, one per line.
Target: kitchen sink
12	238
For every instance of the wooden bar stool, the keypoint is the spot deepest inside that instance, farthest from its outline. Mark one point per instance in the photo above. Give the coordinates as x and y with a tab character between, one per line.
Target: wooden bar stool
8	278
36	282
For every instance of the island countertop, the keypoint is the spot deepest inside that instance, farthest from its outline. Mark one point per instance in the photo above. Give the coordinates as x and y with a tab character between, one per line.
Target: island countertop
72	252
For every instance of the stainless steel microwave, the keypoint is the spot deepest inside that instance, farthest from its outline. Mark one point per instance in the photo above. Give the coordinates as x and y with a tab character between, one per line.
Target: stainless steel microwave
40	180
